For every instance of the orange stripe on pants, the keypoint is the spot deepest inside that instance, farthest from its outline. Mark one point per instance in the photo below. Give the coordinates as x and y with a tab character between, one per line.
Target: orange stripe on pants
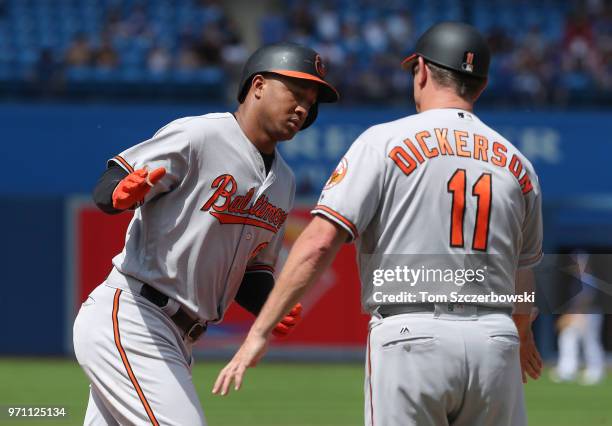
126	363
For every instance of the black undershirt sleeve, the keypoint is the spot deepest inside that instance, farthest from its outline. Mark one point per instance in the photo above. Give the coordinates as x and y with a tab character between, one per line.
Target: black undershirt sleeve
103	192
254	291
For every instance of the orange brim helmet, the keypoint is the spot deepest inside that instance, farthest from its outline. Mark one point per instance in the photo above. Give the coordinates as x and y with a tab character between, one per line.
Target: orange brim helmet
291	60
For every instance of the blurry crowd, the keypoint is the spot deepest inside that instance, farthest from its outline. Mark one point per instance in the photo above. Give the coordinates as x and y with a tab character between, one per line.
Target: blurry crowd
141	43
544	61
574	67
562	54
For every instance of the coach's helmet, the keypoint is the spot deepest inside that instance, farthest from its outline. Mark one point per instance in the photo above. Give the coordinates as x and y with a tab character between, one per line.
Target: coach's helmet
455	46
291	60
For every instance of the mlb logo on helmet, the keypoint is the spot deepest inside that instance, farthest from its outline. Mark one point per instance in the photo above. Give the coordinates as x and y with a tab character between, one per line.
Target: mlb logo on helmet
468	62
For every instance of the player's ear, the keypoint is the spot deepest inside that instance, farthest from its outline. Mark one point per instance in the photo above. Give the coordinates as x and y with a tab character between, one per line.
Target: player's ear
257	84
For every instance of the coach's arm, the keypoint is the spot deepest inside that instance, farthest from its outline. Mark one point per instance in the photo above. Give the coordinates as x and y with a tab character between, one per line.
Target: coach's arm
313	251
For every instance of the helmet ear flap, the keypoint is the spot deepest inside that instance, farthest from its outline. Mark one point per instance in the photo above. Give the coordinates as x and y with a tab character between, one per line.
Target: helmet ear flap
312	116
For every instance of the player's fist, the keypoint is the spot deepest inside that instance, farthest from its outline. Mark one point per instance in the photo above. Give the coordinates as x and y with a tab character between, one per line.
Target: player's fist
286	325
133	188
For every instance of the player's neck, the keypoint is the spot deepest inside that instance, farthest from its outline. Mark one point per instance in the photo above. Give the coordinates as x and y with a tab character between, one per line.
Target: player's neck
254	133
443	99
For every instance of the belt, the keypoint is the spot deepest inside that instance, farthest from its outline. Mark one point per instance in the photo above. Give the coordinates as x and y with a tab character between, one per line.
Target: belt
439	308
191	328
391	310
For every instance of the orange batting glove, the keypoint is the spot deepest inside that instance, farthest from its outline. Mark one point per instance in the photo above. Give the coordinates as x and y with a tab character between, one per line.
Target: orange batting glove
133	188
290	320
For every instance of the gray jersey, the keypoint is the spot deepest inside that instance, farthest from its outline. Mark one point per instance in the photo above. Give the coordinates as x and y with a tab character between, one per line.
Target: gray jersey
214	216
440	186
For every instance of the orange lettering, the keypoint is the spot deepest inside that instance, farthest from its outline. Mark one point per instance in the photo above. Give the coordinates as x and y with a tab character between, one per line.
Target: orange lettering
226	187
526	184
429	153
499	159
481	144
445	147
415	151
516	167
247	199
403	160
460	143
234	206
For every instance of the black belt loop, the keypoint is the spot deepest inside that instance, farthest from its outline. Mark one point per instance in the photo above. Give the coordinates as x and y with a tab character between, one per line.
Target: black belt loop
191	328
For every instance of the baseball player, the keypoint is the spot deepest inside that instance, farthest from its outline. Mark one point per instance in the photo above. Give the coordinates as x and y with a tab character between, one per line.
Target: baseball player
211	195
435	189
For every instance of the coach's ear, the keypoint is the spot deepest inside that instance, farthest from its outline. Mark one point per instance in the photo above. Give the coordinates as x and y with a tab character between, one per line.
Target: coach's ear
422	72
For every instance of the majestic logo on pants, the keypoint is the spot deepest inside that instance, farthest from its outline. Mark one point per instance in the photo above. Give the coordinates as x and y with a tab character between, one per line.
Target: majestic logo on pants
229	208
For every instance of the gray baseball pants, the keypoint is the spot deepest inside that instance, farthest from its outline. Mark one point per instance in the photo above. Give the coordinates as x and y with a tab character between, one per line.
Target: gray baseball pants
444	368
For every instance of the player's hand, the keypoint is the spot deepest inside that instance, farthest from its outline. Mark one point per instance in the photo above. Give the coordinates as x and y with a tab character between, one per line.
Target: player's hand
249	354
289	321
133	188
531	361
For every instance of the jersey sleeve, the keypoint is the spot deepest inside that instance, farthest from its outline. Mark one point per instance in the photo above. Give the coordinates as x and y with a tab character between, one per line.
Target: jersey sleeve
168	148
531	250
352	194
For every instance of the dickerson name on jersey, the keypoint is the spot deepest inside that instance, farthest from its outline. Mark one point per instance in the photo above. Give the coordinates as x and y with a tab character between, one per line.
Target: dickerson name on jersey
425	149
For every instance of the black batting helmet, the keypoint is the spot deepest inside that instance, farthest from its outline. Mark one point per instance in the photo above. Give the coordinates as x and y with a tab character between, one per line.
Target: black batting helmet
453	45
291	60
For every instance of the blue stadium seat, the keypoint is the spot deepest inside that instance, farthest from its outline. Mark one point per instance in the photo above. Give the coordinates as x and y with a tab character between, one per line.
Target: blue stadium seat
210	76
132	74
7	71
80	73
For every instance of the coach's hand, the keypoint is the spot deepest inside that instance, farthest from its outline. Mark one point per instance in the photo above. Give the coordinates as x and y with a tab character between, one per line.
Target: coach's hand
289	321
133	188
531	361
249	354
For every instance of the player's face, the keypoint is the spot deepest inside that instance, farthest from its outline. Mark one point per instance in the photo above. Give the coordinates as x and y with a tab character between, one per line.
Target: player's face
287	103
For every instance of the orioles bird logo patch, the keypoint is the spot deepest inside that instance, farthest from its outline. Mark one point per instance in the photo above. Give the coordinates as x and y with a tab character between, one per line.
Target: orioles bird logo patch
320	66
338	174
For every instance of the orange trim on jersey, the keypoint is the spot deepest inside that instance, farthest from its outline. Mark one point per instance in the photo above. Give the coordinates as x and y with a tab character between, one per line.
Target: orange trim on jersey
531	259
341	218
124	163
370	379
126	363
259	268
227	218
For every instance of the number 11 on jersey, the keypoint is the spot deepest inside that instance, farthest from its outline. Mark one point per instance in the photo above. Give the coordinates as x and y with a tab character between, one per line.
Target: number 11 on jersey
482	191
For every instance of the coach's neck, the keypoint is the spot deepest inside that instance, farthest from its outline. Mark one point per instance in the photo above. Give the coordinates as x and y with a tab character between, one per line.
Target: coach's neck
441	98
